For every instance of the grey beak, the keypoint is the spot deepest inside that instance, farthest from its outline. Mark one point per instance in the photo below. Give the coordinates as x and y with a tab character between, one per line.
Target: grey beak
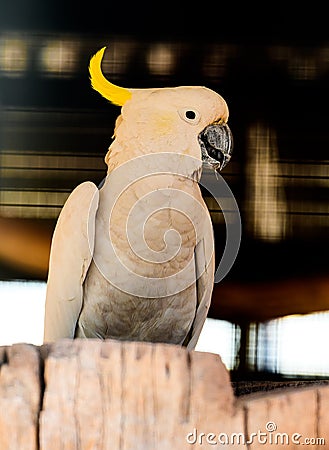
216	142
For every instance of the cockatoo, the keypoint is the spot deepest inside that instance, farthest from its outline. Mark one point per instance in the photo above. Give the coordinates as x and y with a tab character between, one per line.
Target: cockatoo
134	259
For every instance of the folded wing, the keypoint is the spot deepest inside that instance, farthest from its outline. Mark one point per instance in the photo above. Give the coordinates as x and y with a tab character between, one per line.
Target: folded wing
71	254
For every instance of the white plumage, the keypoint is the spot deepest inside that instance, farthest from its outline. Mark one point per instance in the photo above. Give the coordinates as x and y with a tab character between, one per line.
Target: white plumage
135	259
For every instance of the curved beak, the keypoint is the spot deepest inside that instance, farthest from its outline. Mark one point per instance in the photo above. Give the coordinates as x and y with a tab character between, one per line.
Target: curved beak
216	142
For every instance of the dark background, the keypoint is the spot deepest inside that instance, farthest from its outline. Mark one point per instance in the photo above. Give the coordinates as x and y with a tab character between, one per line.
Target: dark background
257	22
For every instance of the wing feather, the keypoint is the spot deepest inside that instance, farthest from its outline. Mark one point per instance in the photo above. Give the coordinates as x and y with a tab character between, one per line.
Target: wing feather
205	267
70	256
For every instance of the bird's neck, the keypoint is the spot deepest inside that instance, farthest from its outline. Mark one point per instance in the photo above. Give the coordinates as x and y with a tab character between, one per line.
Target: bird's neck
144	161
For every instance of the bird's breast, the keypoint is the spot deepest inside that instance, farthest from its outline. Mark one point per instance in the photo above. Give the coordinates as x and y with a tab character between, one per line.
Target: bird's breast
152	227
110	313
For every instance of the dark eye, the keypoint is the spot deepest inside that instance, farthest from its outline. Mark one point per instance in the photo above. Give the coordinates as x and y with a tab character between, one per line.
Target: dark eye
190	114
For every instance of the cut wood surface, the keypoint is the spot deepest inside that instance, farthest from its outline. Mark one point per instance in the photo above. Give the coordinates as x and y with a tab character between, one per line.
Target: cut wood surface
95	395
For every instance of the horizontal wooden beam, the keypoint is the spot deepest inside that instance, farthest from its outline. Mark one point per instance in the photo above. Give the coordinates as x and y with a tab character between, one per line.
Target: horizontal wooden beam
25	243
257	302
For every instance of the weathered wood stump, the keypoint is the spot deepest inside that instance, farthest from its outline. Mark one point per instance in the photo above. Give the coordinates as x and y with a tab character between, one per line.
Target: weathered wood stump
112	395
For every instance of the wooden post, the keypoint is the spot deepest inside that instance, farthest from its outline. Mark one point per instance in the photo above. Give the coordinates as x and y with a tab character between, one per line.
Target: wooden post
20	397
95	395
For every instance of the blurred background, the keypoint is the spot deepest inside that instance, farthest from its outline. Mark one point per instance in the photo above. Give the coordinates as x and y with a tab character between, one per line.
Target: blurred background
270	62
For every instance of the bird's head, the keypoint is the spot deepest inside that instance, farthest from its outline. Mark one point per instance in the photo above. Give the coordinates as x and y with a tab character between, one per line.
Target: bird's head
190	120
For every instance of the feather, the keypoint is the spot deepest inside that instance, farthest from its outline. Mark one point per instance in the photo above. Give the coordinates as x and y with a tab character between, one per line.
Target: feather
115	94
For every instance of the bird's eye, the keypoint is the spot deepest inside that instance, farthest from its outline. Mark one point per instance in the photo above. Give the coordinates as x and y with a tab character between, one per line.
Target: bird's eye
190	115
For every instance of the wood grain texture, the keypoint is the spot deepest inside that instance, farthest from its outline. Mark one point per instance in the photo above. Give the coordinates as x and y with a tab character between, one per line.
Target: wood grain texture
131	395
99	395
20	392
281	416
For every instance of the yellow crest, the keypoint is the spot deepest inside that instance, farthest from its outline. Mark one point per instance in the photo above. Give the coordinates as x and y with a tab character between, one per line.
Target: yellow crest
115	94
